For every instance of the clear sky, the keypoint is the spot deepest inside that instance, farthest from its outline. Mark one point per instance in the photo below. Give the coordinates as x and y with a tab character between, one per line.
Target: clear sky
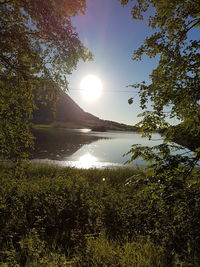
111	34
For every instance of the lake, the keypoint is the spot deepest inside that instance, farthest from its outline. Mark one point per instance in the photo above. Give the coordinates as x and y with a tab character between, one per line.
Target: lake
83	148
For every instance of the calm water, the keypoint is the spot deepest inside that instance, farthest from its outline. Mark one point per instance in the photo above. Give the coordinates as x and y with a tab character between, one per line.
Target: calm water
82	148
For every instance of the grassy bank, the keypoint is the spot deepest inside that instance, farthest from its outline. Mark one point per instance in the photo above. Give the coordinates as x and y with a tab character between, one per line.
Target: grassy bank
67	125
90	124
125	217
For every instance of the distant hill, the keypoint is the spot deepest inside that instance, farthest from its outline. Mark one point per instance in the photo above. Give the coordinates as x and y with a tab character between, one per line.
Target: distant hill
69	114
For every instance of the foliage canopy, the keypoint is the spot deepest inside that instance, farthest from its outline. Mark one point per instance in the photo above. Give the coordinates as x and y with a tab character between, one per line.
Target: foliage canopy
39	47
174	90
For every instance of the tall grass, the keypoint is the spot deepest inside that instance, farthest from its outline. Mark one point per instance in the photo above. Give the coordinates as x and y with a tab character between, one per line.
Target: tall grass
68	217
107	253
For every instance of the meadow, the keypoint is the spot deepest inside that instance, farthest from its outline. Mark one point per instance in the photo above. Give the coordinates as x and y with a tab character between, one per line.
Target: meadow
124	217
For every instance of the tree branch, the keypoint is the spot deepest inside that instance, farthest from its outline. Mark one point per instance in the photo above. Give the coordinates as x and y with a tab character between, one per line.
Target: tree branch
192	165
198	21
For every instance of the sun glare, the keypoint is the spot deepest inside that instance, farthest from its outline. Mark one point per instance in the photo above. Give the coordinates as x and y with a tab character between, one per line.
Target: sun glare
91	87
87	161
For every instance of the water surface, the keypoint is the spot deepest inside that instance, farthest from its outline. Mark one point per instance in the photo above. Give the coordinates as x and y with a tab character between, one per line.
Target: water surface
83	148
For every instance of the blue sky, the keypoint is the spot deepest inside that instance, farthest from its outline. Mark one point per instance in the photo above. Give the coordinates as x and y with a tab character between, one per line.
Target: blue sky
110	33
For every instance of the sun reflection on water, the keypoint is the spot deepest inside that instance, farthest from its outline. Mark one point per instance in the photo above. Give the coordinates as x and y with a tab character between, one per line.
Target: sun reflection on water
87	161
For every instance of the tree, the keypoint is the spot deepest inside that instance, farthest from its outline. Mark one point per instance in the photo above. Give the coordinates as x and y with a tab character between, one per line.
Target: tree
174	90
39	48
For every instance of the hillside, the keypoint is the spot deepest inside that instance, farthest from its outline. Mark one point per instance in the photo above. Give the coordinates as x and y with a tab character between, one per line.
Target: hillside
69	114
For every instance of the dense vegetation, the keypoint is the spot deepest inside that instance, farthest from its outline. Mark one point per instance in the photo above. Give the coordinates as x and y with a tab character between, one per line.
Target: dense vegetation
39	49
174	87
67	217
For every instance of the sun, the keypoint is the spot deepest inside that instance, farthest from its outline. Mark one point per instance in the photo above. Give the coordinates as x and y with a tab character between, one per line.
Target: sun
91	87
